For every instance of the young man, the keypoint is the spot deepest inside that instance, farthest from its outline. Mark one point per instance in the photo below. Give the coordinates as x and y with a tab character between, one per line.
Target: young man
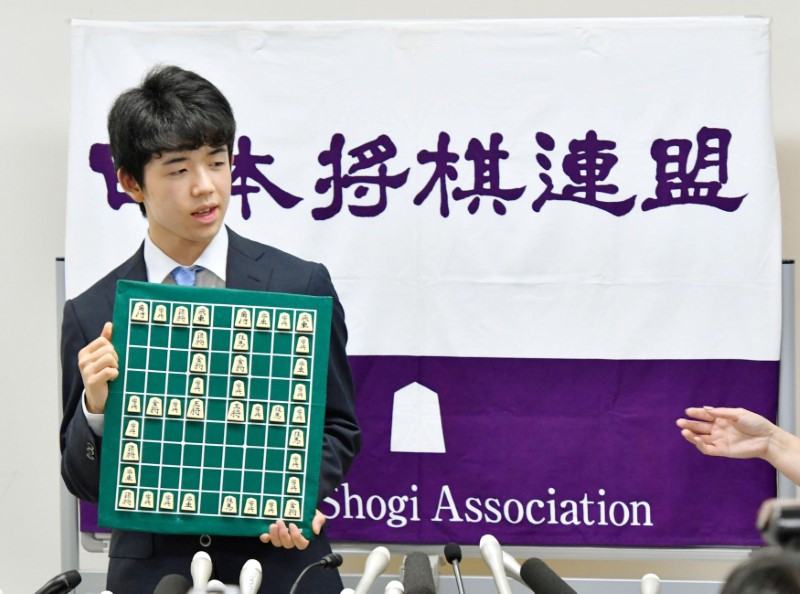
172	141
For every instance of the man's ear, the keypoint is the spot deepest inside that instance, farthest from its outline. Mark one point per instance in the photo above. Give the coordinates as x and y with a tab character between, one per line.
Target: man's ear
130	185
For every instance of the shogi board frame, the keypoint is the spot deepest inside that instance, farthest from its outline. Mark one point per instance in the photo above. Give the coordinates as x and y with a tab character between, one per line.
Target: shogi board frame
226	475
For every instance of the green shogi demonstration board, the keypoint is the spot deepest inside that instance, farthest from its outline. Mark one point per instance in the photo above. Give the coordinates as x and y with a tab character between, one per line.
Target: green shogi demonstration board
214	425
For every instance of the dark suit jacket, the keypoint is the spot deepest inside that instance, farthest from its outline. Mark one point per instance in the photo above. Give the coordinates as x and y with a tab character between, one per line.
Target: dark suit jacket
251	266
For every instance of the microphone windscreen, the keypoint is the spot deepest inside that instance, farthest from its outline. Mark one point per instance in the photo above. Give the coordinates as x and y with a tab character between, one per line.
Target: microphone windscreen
331	560
651	584
173	584
250	577
72	578
418	575
394	587
538	576
452	552
63	582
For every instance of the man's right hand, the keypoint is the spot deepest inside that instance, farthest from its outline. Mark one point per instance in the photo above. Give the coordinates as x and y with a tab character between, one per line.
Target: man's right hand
99	364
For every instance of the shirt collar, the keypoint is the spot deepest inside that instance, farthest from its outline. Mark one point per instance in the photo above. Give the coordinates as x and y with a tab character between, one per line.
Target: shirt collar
214	258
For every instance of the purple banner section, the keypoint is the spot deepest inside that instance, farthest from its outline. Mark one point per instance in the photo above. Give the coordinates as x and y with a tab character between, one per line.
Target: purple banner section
88	517
551	452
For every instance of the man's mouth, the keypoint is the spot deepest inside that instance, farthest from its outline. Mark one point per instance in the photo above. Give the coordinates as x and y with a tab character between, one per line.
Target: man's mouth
204	212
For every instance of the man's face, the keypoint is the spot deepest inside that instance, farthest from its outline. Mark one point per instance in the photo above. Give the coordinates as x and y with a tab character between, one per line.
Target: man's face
186	194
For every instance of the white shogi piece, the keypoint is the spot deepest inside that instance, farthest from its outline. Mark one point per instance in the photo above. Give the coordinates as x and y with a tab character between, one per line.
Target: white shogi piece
242	319
180	317
305	322
141	312
202	316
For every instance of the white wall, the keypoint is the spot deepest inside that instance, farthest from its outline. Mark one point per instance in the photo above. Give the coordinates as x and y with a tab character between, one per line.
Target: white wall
34	73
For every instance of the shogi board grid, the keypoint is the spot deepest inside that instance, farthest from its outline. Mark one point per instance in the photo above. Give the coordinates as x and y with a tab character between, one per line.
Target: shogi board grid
209	463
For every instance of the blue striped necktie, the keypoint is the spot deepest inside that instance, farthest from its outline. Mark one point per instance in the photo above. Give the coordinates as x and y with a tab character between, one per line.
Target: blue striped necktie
186	276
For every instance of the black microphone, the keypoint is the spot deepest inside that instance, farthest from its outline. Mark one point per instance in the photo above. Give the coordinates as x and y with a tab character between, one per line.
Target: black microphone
329	561
418	575
173	584
538	576
452	552
62	583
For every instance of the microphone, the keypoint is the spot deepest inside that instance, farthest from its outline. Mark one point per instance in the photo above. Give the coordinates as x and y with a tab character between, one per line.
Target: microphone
394	587
62	583
512	568
452	552
493	556
250	577
418	575
201	570
172	584
538	576
329	561
650	584
376	563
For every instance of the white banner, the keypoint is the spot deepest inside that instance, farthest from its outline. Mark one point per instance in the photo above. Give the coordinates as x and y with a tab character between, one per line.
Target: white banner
567	280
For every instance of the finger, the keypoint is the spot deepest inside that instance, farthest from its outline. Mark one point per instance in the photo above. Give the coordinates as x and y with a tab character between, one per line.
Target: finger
273	536
103	347
318	522
95	377
90	351
702	443
98	383
108	374
696	440
103	360
689	436
700	413
101	340
284	536
265	538
108	330
100	351
731	414
697	427
298	540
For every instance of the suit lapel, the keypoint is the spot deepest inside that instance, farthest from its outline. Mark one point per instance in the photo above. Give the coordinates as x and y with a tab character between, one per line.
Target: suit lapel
133	269
246	269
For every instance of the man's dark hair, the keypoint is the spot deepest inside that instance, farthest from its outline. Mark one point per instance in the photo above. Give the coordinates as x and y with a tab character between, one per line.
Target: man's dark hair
171	110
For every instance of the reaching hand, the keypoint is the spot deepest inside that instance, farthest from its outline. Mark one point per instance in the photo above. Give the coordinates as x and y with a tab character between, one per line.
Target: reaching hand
730	432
